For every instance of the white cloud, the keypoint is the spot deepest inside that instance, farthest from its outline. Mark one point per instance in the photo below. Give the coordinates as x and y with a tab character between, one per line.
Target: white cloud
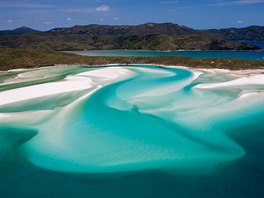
80	10
237	2
169	1
249	1
98	1
102	8
9	20
68	19
23	5
116	18
47	22
239	21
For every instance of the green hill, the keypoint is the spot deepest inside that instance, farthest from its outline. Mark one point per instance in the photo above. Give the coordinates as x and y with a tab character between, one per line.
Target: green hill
149	36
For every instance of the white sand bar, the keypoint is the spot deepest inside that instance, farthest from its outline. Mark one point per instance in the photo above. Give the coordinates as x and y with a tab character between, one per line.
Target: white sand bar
77	82
250	80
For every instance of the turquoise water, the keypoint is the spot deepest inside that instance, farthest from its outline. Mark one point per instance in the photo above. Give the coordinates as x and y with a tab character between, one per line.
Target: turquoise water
134	131
246	55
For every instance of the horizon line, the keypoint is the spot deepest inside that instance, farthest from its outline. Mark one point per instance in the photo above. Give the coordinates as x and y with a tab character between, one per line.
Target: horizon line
127	25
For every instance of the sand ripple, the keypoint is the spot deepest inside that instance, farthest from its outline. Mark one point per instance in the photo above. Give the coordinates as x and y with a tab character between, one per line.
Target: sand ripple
119	119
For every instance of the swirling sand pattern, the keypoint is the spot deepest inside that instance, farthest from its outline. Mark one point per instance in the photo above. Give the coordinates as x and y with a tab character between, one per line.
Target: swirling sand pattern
121	119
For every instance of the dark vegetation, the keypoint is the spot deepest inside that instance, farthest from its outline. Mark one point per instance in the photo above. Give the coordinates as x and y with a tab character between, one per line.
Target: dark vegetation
25	47
251	33
29	58
149	36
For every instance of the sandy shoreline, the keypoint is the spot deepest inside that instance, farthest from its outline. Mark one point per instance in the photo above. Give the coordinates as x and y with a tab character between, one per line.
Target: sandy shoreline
111	72
162	65
78	82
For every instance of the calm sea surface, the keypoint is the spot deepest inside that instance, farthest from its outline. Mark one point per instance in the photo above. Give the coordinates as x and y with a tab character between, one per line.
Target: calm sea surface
245	55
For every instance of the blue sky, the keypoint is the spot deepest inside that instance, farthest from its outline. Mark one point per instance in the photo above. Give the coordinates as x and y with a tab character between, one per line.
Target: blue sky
198	14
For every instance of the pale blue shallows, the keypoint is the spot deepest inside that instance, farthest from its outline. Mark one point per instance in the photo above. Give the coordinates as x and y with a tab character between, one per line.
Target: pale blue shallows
157	133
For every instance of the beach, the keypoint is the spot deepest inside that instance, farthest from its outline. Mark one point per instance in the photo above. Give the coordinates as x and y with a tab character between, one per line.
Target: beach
63	100
101	128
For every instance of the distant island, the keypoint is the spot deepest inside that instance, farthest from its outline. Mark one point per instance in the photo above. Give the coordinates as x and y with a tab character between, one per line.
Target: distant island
30	58
25	47
148	36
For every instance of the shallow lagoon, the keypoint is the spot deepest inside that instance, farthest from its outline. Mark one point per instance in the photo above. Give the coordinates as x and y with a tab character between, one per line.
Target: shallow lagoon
134	131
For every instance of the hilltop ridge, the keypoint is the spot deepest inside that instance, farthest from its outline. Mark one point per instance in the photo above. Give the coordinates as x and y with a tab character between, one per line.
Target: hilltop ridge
148	36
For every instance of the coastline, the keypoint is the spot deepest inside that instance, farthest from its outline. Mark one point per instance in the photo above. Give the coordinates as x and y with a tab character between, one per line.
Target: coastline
238	71
79	87
145	50
19	58
111	72
77	82
243	71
